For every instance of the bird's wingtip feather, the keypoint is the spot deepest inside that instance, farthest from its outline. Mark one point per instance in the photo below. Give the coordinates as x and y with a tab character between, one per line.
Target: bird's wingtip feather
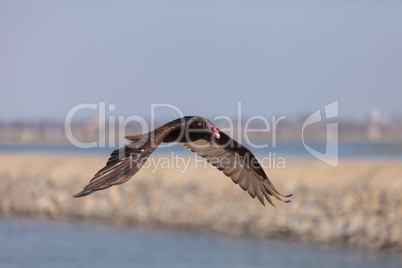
82	193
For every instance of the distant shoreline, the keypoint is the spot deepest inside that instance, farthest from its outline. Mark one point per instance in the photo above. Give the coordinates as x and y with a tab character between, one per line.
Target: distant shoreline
348	150
355	204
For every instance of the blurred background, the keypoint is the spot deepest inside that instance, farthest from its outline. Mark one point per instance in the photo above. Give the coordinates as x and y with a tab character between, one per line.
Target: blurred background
235	59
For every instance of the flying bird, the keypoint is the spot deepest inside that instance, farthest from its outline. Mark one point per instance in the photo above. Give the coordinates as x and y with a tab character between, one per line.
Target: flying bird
199	135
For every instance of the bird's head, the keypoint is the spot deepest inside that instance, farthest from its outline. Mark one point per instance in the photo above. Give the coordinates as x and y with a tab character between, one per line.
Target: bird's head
198	122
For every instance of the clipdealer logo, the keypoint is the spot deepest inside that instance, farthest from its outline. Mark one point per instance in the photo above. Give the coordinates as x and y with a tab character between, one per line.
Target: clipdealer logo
331	145
237	127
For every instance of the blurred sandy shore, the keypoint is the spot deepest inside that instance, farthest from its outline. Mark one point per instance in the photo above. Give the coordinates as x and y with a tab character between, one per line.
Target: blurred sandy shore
358	203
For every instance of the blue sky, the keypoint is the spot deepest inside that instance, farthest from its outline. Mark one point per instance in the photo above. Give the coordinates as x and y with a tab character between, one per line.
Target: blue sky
276	57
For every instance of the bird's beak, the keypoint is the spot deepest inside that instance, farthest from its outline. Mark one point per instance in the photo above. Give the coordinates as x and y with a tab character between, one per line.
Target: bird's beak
213	130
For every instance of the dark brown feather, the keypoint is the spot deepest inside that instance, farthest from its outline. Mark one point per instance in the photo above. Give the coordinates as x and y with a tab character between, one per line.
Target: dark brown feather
243	169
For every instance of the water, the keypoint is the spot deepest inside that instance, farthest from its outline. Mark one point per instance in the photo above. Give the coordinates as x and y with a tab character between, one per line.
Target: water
387	150
37	243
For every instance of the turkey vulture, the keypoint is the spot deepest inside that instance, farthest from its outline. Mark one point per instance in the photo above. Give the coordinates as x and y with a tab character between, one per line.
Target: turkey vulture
199	135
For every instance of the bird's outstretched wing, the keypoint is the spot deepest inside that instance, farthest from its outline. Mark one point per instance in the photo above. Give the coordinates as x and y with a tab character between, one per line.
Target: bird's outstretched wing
238	163
123	163
229	156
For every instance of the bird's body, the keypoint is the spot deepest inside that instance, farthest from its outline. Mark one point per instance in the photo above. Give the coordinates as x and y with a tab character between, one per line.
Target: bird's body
199	135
